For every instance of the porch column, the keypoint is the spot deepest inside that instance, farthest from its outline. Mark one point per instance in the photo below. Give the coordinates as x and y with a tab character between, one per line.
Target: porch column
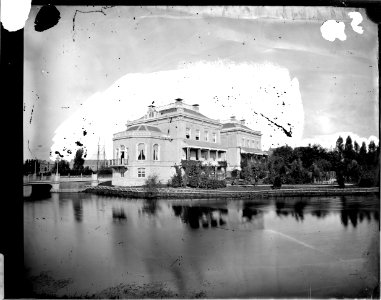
199	154
188	154
208	155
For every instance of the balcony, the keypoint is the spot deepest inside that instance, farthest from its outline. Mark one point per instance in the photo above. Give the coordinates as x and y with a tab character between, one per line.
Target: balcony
119	162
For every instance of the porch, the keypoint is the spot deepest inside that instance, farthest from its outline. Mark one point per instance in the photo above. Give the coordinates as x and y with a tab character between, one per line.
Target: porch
205	155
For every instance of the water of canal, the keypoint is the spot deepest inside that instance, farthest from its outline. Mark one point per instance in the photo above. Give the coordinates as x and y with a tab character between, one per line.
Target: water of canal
84	245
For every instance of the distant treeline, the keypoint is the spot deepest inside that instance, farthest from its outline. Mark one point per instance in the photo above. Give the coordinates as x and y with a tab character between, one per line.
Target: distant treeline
32	166
348	162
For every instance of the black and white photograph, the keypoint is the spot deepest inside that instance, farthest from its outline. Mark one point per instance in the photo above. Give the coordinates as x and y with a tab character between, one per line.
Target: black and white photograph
200	152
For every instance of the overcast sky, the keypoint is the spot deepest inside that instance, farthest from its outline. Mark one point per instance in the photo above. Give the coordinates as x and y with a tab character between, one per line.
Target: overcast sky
255	63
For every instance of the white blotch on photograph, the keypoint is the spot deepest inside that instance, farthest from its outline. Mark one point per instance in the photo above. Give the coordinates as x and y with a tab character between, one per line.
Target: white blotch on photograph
263	94
331	30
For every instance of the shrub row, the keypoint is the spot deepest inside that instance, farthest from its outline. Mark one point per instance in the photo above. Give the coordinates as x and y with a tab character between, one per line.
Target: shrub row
211	183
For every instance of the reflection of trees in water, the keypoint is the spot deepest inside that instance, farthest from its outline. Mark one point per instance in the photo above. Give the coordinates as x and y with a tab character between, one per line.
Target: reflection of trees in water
355	212
150	207
77	209
299	210
118	214
280	206
296	207
319	213
194	215
250	210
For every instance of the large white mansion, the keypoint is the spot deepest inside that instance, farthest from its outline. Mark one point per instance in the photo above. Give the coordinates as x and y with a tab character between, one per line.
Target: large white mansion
165	135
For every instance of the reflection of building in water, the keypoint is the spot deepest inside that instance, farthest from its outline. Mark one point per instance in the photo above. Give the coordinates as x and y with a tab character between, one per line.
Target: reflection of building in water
78	209
118	214
196	216
150	207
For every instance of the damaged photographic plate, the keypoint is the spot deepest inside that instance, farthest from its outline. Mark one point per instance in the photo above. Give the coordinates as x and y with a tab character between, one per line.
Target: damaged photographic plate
141	88
1	276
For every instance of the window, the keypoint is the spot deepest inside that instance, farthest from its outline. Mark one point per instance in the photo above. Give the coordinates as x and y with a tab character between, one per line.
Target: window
141	154
247	143
187	133
141	172
151	114
206	136
122	149
214	137
197	135
156	152
243	142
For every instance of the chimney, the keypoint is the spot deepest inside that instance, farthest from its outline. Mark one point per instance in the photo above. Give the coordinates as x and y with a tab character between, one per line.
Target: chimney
179	101
196	107
232	118
242	122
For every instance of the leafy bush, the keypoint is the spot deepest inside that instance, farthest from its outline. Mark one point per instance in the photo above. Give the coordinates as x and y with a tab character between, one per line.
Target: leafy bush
368	179
192	181
177	179
211	183
151	185
192	171
234	173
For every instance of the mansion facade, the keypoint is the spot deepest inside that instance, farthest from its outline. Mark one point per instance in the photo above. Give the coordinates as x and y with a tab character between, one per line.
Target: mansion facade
165	135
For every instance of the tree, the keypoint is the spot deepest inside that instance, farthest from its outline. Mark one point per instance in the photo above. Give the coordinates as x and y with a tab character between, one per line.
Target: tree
353	171
348	149
362	154
297	173
31	166
371	156
63	167
78	160
339	145
356	147
371	146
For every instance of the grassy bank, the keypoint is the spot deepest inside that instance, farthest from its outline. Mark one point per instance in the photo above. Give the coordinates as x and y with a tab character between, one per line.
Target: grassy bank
231	192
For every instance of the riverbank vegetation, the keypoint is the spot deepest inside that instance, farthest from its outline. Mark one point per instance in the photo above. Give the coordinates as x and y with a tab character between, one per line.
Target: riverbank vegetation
347	163
195	175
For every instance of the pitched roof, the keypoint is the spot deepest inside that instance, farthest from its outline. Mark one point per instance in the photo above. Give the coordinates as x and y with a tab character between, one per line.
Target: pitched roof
186	110
144	128
253	151
237	126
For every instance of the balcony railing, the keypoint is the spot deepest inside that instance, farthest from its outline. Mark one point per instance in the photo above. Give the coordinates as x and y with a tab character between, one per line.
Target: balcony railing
117	162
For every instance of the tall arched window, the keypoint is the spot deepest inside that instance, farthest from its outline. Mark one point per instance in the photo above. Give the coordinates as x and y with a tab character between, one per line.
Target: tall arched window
156	152
117	153
141	150
122	150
